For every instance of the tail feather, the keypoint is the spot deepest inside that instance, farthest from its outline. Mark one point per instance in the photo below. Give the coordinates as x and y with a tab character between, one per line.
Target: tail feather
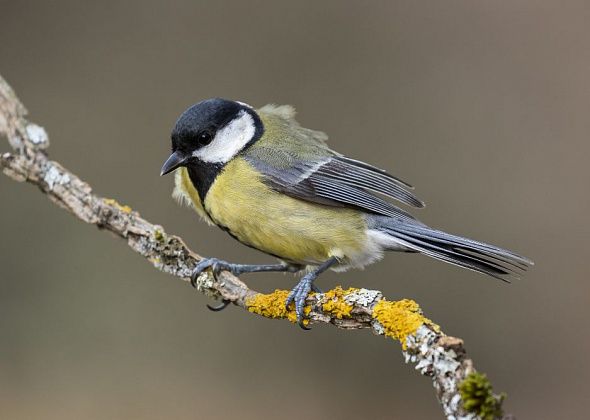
467	253
467	244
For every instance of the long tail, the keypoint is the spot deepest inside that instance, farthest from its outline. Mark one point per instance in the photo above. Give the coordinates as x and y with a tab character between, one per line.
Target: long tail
467	253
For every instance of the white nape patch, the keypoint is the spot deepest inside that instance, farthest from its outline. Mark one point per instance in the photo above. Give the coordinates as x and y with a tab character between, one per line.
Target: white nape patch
228	141
283	111
245	104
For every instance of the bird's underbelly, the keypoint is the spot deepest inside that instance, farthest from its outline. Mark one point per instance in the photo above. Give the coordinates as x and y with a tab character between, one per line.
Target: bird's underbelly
291	229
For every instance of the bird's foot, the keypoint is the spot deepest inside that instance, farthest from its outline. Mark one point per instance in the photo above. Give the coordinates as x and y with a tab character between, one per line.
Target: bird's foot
216	265
302	289
298	296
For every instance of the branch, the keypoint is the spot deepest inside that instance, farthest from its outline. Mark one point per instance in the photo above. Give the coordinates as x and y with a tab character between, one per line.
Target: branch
462	392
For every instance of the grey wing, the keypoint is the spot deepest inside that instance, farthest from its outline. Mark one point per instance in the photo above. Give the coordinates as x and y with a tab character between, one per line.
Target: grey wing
334	180
362	175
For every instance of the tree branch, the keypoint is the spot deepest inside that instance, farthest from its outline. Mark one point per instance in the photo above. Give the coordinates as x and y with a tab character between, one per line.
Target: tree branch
462	393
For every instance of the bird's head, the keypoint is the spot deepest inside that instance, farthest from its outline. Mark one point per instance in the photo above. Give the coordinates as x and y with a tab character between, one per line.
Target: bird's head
212	131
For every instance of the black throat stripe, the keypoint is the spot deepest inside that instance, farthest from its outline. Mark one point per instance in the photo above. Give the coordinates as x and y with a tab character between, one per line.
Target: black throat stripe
202	175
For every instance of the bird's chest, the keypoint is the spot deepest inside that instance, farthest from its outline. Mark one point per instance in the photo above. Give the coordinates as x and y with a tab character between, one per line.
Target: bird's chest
238	202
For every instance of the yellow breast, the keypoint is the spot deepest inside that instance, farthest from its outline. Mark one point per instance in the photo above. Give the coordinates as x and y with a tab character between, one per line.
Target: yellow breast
292	229
185	193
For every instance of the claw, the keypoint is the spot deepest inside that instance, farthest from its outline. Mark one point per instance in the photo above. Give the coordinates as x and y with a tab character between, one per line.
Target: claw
219	307
201	266
216	267
298	296
316	289
302	325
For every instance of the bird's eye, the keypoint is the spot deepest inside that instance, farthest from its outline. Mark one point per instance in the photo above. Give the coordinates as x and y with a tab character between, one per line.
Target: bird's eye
204	138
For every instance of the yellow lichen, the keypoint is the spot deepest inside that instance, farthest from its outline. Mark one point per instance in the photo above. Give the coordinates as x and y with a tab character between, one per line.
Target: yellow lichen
334	303
400	319
123	208
159	235
272	305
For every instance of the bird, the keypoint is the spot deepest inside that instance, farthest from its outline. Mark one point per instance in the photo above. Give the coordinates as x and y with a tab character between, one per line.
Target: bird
277	187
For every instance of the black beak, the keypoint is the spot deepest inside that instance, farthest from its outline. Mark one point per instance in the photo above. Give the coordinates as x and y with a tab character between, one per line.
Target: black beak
175	160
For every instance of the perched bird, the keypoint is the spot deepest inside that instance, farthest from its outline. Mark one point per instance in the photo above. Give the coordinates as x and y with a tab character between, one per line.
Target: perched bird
277	187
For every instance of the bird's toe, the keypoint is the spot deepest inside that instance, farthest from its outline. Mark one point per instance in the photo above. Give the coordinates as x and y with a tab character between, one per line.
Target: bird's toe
298	296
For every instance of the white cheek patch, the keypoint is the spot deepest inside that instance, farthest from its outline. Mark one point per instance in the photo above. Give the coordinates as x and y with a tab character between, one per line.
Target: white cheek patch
228	141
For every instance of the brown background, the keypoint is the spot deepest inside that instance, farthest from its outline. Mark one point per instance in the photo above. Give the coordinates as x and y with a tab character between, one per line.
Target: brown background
483	106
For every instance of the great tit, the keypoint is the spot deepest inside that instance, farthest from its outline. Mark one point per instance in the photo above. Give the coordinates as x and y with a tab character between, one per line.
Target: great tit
277	187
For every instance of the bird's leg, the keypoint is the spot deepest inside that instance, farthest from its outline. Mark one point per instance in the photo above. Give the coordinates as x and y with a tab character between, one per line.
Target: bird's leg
217	265
305	285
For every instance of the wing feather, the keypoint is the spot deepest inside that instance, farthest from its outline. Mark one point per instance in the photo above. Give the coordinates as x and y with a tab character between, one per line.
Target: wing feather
376	181
338	191
373	170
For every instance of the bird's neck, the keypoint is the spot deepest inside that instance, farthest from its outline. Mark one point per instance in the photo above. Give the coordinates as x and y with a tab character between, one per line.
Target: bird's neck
202	175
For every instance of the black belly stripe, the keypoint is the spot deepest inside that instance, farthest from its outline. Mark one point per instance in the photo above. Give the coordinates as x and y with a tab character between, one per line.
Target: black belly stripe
202	175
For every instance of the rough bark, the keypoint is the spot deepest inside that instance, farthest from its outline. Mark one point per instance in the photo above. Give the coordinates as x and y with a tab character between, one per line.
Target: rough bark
462	393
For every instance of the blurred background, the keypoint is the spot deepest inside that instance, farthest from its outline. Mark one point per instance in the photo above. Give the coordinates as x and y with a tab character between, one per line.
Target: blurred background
482	106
